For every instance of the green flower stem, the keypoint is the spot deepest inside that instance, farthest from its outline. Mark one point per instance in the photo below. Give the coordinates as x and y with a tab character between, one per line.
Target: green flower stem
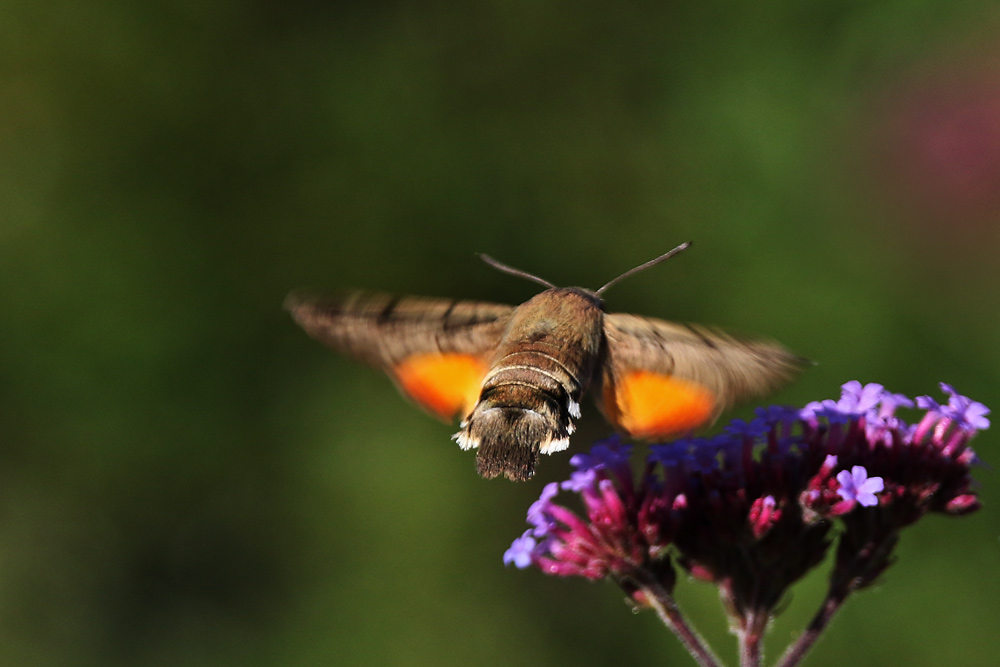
660	599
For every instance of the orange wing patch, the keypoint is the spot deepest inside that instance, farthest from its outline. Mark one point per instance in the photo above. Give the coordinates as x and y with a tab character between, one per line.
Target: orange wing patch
442	383
652	405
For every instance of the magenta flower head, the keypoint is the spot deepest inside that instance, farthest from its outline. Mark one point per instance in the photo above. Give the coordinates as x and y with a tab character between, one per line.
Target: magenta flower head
753	509
615	535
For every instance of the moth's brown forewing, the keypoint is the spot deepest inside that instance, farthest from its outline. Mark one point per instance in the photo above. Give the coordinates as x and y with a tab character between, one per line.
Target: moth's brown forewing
435	350
517	375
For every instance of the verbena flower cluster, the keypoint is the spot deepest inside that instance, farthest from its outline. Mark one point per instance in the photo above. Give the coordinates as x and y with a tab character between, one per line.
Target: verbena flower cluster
754	508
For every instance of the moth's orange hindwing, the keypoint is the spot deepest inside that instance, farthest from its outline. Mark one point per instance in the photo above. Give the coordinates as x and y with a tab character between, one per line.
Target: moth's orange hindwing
442	383
652	405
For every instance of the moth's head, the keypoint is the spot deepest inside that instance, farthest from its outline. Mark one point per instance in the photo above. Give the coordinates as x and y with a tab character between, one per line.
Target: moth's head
583	293
595	295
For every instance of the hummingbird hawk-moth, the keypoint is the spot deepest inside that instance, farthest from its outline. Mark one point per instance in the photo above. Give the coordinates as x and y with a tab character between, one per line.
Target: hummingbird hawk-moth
516	374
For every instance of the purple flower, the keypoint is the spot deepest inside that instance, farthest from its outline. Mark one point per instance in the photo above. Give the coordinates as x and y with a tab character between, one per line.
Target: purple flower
857	485
890	402
827	409
771	483
929	404
580	480
969	414
520	551
870	401
966	415
613	536
772	478
608	453
537	513
858	399
752	509
755	428
673	453
773	414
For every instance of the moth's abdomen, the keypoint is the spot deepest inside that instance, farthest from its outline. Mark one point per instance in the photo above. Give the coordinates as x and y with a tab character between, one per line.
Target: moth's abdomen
509	439
511	425
531	394
543	372
526	408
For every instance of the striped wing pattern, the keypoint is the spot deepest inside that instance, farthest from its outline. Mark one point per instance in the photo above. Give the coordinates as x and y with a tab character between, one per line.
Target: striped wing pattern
382	330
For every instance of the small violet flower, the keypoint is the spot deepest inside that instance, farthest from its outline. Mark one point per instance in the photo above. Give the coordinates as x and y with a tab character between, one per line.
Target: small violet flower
519	553
860	399
857	485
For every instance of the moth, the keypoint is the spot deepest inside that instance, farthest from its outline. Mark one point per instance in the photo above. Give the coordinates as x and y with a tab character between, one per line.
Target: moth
516	374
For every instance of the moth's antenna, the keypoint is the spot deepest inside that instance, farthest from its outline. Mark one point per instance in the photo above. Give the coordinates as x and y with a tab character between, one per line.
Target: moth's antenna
643	267
500	266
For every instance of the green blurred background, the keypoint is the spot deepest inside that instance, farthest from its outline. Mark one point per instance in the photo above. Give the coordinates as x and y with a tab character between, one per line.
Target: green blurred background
187	479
